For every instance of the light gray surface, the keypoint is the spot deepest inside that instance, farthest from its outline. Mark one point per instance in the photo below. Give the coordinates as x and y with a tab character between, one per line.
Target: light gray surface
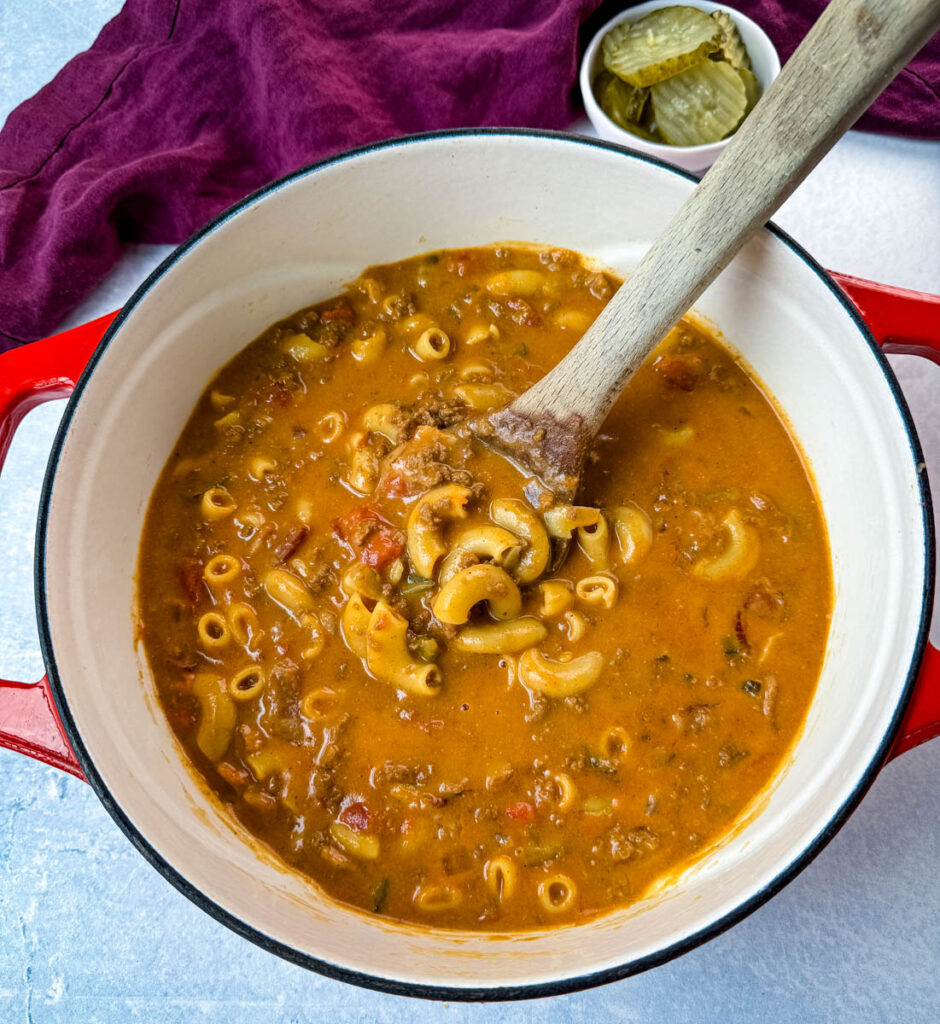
89	933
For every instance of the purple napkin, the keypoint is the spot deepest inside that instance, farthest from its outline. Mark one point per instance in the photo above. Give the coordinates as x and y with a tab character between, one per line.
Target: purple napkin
181	107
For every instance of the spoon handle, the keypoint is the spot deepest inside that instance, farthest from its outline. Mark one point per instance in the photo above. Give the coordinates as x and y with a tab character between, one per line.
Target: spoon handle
850	55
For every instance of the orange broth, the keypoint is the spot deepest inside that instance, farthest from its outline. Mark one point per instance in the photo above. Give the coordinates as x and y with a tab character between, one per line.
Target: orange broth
301	658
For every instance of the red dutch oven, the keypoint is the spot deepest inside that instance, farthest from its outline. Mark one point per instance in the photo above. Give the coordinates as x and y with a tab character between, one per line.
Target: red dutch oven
135	375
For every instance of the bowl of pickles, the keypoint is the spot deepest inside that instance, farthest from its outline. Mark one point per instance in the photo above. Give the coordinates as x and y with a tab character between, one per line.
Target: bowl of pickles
676	80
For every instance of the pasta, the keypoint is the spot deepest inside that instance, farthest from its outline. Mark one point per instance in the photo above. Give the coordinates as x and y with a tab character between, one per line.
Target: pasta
600	591
557	893
288	591
444	697
473	585
501	877
515	517
389	659
383	419
356	618
425	524
501	637
221	570
432	344
738	558
492	543
213	631
359	844
247	684
436	898
216	504
516	282
369	350
217	716
559	678
556	598
634	533
243	623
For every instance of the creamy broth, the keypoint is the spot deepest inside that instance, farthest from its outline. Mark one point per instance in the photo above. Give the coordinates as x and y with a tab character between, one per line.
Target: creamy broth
345	604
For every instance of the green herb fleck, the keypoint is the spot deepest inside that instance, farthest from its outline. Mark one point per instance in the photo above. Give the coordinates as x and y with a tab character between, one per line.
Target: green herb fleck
751	686
415	585
522	350
379	895
534	855
730	646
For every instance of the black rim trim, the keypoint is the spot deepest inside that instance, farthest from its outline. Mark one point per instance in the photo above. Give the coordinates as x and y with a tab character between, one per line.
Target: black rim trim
440	992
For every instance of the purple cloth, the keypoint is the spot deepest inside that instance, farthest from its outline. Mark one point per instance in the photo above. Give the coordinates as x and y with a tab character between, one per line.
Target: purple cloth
181	107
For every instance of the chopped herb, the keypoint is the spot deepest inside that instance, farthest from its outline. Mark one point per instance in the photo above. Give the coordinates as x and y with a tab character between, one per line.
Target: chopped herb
415	585
379	895
663	658
599	764
426	648
432	259
689	678
751	686
730	646
532	856
522	350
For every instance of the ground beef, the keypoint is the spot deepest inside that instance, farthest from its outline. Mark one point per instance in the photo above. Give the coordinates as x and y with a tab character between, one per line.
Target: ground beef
681	373
319	576
436	411
397	307
428	460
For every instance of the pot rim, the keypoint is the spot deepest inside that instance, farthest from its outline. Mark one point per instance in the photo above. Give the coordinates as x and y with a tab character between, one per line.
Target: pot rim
443	992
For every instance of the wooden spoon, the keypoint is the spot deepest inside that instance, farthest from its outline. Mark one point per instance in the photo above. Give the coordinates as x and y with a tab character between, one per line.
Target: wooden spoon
850	55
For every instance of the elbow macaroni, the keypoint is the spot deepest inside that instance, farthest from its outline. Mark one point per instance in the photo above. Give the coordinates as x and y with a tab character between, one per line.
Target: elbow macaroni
559	678
471	586
426	524
738	558
388	657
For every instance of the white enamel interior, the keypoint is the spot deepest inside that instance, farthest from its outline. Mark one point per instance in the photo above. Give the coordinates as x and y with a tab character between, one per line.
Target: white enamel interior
765	64
299	244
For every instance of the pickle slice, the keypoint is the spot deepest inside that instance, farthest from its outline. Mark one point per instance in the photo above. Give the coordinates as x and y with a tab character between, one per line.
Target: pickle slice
659	45
731	45
752	89
701	104
621	102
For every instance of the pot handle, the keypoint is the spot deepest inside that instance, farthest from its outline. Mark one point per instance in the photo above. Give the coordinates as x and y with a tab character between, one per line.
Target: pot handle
907	323
30	375
902	321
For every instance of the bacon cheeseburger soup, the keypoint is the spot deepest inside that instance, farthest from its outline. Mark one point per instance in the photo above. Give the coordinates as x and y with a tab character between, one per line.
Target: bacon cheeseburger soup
357	632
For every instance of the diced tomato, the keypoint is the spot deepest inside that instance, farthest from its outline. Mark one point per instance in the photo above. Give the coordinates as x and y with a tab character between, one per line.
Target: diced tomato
521	811
395	486
382	547
182	718
523	313
374	540
357	816
460	265
339	313
189	573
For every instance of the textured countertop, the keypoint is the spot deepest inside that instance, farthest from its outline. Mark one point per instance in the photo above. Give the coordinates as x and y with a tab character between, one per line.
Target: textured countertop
90	933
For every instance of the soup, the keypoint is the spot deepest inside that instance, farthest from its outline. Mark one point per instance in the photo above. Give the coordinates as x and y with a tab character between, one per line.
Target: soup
359	635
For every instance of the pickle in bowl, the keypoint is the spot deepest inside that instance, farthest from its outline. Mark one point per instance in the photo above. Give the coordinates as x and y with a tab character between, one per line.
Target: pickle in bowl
661	44
677	76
